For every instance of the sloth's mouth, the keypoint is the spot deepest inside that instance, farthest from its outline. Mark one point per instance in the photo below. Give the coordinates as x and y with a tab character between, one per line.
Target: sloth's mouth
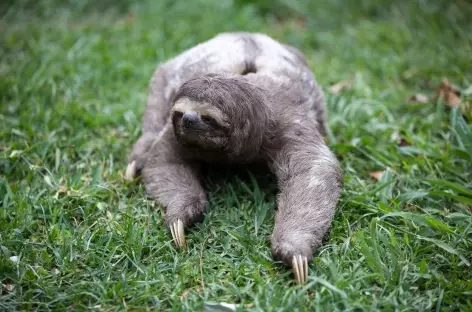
190	135
200	138
198	131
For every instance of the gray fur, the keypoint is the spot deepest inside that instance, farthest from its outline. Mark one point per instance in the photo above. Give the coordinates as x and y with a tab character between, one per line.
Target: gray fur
276	113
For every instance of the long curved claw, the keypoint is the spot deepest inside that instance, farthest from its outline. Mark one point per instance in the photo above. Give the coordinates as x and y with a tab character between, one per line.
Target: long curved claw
178	234
130	171
300	269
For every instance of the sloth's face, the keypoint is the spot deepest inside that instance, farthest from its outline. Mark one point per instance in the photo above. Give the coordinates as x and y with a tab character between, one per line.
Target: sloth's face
221	113
199	124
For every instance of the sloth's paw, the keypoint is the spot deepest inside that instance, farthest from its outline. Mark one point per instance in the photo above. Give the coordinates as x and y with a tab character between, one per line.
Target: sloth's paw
130	172
295	251
134	168
300	268
178	235
190	211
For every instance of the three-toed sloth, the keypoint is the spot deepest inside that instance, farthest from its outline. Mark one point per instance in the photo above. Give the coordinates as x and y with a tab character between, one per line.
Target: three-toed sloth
235	99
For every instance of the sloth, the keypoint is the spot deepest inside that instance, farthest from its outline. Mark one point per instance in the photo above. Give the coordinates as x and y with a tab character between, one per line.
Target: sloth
240	98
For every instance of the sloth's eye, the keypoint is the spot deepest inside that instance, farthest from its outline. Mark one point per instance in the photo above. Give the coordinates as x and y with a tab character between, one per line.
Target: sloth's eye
209	121
177	114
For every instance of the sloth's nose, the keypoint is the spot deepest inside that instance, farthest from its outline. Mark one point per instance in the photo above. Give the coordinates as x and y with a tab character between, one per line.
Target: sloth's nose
190	119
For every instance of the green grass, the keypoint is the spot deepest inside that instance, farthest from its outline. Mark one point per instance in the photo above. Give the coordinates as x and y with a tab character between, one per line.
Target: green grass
73	84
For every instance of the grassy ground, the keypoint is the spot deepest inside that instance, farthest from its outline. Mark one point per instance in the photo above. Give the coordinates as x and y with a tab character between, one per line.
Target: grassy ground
74	234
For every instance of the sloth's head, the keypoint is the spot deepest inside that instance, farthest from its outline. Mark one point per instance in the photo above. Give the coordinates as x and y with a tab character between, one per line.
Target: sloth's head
225	114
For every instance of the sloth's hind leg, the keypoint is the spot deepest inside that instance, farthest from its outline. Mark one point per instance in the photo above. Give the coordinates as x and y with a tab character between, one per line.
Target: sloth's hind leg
155	120
142	151
139	154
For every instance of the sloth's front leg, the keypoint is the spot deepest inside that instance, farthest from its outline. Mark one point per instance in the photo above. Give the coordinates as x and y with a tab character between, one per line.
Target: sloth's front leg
309	182
174	183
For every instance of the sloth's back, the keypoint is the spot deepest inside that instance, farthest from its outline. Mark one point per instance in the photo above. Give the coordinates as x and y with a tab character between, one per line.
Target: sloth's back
238	53
278	68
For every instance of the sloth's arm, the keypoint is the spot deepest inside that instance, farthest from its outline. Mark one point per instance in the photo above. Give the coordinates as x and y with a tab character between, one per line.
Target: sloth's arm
174	183
310	182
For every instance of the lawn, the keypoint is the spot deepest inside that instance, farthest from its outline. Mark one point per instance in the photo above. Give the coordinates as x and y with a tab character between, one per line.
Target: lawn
74	234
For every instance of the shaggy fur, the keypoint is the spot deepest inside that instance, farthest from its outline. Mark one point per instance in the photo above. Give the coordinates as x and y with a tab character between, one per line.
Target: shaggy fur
248	98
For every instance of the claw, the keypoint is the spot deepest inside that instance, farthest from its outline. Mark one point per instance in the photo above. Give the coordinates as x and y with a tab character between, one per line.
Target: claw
300	268
178	235
131	171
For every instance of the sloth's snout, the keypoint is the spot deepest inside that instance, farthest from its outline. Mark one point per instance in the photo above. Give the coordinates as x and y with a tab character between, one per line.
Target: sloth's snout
190	119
